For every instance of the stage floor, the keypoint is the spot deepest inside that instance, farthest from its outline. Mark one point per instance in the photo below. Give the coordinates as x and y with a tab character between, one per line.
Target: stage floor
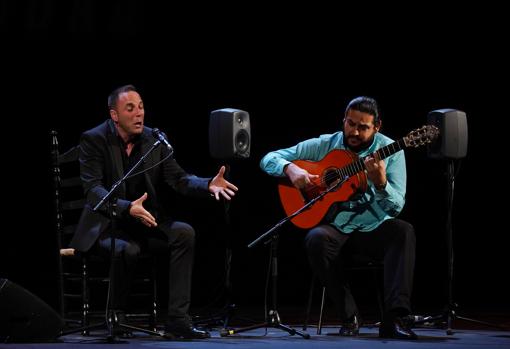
276	338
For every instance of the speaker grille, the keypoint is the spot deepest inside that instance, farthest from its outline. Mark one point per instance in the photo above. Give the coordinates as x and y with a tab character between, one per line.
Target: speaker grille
242	142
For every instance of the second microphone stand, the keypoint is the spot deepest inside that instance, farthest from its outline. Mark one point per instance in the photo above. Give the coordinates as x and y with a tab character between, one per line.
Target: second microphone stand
271	236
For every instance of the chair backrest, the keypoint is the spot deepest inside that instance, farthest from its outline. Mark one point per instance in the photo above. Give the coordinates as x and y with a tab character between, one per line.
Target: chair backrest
69	198
68	201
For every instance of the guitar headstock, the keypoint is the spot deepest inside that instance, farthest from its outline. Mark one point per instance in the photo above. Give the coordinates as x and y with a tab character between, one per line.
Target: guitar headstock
420	136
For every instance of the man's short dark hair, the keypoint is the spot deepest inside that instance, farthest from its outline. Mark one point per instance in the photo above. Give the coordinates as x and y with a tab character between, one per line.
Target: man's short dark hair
114	96
366	105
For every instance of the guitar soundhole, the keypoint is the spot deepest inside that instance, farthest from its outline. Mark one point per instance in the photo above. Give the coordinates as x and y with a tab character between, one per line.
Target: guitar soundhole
330	176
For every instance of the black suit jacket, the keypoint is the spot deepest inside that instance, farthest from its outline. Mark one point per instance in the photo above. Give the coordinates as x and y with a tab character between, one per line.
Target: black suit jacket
101	166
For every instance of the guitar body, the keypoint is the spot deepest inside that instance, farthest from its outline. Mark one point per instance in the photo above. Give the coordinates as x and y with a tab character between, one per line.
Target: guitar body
293	199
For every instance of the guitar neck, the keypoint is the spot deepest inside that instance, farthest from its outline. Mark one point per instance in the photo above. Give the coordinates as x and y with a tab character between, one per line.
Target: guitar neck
359	165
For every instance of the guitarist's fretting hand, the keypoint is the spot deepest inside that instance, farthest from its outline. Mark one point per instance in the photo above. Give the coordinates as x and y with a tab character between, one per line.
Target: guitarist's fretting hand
376	170
299	177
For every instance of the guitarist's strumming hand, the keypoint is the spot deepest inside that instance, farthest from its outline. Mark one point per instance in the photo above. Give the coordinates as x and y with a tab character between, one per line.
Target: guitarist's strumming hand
299	177
376	170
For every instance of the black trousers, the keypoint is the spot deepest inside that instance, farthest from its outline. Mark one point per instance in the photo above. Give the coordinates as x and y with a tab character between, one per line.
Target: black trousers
392	243
176	239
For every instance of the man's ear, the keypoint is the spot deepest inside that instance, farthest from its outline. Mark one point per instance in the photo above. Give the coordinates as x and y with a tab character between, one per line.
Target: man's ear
114	115
378	126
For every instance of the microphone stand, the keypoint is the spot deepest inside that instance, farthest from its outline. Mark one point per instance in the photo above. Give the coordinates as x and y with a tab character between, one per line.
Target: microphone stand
111	321
271	236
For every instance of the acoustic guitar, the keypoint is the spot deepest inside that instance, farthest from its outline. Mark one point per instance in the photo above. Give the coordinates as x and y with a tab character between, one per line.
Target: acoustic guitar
339	165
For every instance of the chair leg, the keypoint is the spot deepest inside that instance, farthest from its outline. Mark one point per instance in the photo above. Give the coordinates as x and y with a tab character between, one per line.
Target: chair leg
154	315
85	299
323	299
379	294
309	305
61	298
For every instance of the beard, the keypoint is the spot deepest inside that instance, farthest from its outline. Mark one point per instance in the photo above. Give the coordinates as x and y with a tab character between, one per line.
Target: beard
359	146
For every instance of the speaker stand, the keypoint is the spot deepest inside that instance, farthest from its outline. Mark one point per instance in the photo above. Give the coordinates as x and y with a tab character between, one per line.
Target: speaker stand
449	313
223	316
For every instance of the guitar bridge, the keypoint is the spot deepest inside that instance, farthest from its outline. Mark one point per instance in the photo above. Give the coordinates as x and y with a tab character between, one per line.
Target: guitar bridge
310	193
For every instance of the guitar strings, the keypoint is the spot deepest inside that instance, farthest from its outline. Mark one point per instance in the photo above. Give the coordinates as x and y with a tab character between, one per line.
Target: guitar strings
350	169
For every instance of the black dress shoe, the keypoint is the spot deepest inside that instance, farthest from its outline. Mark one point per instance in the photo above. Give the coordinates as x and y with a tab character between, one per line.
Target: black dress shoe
123	332
397	329
350	328
184	329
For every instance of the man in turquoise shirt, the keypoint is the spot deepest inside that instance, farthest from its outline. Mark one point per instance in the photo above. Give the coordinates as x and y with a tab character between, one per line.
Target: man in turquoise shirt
367	223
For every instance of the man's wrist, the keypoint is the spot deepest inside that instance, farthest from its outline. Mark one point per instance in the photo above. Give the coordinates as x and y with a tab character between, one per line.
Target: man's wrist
286	167
381	186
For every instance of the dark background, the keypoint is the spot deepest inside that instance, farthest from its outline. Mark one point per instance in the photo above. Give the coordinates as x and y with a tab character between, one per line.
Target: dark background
294	72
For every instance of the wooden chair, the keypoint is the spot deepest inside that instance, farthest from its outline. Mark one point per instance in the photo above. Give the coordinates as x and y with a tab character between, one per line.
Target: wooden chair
355	264
80	274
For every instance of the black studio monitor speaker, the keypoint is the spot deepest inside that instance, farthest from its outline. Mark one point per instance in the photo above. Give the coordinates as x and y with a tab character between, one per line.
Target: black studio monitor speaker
24	317
453	134
229	134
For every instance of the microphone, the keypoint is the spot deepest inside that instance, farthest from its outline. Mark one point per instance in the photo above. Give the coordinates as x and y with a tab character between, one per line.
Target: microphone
160	136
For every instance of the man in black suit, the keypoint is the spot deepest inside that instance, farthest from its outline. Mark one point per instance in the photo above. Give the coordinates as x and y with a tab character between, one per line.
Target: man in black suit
143	223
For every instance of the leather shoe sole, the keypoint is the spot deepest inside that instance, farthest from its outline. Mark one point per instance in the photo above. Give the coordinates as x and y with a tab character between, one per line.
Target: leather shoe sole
351	328
397	332
191	333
